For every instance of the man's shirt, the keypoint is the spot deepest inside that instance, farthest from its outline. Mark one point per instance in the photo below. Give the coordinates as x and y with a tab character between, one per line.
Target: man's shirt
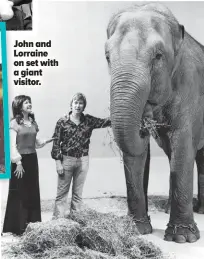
73	140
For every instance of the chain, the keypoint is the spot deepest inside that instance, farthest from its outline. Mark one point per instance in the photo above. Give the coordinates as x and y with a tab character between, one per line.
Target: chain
142	220
191	227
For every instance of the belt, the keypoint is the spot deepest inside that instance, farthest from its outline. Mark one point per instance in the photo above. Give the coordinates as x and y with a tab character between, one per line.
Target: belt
78	155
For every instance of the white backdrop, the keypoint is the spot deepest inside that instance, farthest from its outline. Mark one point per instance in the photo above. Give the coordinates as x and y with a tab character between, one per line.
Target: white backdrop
78	34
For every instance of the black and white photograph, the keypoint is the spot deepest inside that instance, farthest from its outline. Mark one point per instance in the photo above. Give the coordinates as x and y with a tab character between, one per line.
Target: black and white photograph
18	14
107	151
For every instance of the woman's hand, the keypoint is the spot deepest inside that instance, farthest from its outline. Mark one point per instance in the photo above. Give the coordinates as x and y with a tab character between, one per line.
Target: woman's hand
19	171
49	140
41	143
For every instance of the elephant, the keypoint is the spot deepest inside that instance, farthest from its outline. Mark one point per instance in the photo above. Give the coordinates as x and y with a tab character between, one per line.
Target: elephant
157	72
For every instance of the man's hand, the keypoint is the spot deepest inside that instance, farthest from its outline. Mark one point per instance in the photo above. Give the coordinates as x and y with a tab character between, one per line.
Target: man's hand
60	172
59	167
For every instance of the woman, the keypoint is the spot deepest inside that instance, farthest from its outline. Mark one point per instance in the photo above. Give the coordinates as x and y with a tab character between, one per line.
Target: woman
70	150
23	205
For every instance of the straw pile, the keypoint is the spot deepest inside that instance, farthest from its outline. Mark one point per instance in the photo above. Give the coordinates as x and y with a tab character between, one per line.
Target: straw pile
84	235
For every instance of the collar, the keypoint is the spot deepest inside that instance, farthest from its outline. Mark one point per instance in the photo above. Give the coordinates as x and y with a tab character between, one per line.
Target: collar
23	122
82	118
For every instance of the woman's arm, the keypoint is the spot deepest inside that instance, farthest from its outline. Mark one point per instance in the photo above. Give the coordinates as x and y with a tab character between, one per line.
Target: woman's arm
39	143
15	155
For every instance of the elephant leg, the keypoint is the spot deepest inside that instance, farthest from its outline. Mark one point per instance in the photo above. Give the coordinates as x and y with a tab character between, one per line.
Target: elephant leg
181	227
164	142
146	177
168	205
200	168
134	174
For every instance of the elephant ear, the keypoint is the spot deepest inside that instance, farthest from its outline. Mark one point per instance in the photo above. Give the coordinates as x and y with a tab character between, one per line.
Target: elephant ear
178	38
112	24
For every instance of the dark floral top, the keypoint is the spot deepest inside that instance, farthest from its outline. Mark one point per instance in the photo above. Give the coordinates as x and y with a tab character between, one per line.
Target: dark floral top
73	140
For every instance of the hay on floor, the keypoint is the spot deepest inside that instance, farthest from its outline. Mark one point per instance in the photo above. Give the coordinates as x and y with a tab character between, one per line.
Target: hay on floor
84	235
42	236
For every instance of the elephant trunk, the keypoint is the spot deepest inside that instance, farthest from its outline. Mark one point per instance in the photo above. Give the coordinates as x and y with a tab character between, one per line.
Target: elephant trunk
129	94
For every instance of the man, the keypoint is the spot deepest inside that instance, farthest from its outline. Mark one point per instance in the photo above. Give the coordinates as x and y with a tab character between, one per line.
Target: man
71	153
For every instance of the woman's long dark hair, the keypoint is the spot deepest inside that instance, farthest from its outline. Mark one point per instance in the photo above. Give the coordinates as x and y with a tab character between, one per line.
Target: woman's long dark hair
17	108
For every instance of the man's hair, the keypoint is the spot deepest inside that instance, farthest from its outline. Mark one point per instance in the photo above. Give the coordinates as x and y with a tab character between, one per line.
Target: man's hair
79	96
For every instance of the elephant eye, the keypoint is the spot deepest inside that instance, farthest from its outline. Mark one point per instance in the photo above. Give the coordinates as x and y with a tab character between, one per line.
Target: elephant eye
158	56
108	58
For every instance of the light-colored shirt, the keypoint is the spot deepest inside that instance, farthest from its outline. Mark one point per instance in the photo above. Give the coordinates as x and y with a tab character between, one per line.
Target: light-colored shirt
23	140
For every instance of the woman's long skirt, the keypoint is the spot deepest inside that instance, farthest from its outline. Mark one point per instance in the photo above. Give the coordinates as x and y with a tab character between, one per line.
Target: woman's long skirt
23	204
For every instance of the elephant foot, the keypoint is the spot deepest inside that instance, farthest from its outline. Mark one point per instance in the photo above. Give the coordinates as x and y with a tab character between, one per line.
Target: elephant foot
198	208
167	208
201	210
180	233
143	225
